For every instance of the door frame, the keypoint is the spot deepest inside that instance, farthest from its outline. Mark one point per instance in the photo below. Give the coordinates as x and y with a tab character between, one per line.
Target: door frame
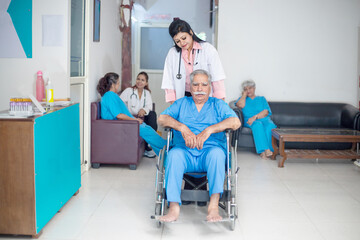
84	80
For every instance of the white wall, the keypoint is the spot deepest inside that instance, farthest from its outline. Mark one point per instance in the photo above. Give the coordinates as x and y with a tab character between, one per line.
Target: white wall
295	50
104	56
18	75
196	13
359	65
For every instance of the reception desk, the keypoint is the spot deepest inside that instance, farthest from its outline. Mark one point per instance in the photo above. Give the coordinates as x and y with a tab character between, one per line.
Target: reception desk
39	168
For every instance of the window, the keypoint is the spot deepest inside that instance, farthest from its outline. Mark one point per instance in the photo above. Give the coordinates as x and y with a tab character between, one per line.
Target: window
77	50
154	44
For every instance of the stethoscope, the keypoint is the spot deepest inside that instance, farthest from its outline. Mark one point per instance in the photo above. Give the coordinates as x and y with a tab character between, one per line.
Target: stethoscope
133	103
179	76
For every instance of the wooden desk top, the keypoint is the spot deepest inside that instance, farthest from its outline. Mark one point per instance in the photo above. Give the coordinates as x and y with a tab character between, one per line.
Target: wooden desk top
316	135
4	114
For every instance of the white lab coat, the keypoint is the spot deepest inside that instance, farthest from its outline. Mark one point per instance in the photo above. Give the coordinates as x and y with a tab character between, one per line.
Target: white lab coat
208	59
130	97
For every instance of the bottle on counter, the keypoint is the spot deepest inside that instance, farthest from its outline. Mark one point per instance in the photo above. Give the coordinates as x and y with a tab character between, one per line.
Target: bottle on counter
40	91
49	94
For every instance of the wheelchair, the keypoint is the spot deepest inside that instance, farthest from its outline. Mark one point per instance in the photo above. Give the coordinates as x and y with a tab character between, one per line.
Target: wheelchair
227	201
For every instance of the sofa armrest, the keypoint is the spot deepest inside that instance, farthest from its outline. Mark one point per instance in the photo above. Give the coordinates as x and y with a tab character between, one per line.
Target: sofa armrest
115	130
118	124
116	142
350	117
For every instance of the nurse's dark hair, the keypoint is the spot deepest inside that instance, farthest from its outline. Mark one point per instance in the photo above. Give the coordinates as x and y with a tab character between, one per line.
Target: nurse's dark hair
147	80
106	82
179	25
200	71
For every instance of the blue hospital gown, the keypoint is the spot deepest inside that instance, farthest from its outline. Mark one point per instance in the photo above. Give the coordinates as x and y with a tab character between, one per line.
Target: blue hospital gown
213	111
210	159
261	128
112	105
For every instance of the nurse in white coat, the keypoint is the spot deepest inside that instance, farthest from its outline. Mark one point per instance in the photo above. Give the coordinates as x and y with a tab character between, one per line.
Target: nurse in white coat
188	54
139	102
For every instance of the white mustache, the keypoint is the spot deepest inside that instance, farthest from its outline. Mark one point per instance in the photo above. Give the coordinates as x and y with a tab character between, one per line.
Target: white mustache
199	93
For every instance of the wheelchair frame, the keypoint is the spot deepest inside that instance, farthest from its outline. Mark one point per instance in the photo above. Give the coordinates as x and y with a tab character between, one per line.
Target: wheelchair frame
228	199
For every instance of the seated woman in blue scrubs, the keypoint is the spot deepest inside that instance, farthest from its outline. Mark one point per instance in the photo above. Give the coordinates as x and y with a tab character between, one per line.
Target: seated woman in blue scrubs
113	108
257	114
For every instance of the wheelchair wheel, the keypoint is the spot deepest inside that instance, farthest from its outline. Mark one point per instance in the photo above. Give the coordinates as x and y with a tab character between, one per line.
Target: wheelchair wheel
233	207
233	216
158	212
234	168
159	187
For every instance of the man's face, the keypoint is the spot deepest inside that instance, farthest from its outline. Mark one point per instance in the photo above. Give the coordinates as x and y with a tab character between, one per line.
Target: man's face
200	88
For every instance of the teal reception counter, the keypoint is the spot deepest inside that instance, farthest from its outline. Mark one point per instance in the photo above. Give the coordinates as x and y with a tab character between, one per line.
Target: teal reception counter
39	168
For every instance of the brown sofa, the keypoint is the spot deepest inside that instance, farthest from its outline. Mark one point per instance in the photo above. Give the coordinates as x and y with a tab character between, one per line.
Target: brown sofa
114	141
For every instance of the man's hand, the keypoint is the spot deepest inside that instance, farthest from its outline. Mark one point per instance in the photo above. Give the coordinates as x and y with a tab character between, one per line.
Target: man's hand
189	137
141	113
202	137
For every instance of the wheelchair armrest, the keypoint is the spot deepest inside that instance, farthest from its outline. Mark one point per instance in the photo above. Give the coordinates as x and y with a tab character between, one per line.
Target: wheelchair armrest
240	115
166	129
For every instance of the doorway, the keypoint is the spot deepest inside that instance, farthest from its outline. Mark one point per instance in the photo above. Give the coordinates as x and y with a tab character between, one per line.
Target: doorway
78	79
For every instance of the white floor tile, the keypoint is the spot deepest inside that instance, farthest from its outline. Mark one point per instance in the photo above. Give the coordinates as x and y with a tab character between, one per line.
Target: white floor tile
307	199
280	230
339	230
332	210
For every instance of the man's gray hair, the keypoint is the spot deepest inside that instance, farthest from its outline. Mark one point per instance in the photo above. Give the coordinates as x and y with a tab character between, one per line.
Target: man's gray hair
248	83
200	71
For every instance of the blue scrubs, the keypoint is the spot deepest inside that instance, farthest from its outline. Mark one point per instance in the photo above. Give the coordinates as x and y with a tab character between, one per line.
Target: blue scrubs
210	159
261	128
112	105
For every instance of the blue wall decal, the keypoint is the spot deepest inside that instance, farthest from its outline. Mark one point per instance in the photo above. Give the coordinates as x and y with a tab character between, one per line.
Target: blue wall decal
20	12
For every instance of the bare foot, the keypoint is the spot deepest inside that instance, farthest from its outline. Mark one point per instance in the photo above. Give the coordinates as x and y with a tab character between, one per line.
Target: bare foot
213	209
173	214
213	215
268	153
263	156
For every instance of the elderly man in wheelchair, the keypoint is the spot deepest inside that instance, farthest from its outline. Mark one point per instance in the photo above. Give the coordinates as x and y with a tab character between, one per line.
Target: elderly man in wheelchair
199	143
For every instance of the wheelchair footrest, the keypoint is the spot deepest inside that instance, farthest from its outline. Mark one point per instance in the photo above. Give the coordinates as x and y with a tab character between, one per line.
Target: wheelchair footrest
202	195
229	219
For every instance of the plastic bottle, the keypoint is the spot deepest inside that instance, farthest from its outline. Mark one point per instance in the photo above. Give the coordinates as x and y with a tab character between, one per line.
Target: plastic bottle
49	94
40	91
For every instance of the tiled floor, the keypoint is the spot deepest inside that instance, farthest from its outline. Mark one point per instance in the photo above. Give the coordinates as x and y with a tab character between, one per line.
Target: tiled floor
305	200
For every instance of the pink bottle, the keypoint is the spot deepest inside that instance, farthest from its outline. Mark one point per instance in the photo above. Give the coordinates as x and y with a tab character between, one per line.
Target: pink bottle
40	91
